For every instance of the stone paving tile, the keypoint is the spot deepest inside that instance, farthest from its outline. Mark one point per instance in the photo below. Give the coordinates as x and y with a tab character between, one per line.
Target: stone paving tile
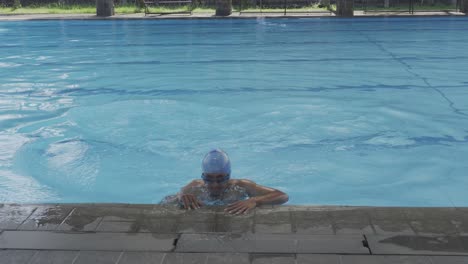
184	258
316	221
162	225
389	220
273	258
54	257
200	215
461	223
46	217
205	258
449	260
277	220
109	205
97	257
271	243
280	215
80	225
353	228
342	244
393	214
81	219
235	258
464	241
240	243
373	259
157	207
126	213
266	206
13	215
434	227
196	227
115	226
16	256
86	241
433	221
463	211
273	228
351	221
311	213
350	215
141	258
433	213
317	259
382	227
145	218
112	218
314	228
417	245
234	223
197	221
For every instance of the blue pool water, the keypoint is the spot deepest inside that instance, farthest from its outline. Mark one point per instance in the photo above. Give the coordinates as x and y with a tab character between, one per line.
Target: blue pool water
364	111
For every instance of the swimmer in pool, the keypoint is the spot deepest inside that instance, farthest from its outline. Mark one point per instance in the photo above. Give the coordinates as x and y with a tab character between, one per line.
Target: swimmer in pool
217	188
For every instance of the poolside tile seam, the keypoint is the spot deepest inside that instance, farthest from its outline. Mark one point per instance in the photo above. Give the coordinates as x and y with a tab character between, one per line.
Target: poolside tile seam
379	247
38	226
32	212
393	252
235	253
285	235
209	211
292	220
249	258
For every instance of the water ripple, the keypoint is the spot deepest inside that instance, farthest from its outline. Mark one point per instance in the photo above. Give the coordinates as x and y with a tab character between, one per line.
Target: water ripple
409	69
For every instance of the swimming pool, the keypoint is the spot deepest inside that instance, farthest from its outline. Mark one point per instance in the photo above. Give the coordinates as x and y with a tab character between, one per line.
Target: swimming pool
363	111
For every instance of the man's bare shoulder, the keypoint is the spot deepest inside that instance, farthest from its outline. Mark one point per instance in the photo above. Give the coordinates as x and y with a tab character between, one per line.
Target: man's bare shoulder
242	182
196	183
253	188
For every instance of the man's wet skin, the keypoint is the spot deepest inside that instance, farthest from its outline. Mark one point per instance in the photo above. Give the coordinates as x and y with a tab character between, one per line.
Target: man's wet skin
216	188
216	183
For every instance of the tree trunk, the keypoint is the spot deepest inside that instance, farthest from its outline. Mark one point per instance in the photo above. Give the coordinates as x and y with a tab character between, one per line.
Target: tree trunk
464	6
345	8
223	7
325	3
16	4
104	8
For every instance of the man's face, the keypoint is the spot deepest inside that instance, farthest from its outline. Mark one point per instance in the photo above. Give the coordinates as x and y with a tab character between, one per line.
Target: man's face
215	182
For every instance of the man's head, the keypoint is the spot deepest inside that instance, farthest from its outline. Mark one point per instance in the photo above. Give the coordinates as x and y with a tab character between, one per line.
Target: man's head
216	168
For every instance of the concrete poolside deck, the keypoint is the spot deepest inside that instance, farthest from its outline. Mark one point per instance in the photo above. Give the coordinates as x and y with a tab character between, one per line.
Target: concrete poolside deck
235	15
123	233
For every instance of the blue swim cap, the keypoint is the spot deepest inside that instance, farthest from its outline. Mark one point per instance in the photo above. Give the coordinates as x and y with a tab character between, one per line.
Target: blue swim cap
216	161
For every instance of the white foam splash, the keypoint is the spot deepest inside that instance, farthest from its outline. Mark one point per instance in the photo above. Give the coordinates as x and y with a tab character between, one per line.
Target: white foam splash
9	145
8	65
64	76
390	140
40	58
16	187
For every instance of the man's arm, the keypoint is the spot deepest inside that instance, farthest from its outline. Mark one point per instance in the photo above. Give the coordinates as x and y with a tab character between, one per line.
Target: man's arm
258	195
186	197
187	189
262	194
